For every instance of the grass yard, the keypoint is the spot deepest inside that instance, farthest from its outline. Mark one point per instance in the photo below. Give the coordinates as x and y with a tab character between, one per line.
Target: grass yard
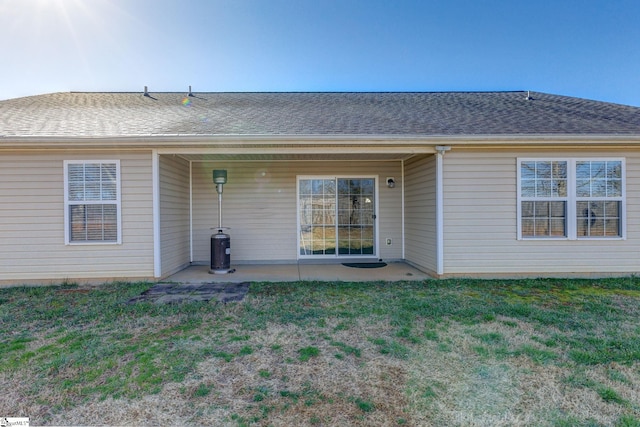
442	353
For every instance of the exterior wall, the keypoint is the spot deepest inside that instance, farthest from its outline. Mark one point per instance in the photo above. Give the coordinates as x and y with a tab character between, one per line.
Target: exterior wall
480	221
260	207
32	243
420	212
174	214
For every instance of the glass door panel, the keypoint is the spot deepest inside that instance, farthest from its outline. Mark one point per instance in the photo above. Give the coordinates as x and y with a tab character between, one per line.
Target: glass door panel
356	216
337	222
317	200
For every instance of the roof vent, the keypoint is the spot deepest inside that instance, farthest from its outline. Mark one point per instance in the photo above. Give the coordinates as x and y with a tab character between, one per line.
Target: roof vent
529	98
190	93
146	91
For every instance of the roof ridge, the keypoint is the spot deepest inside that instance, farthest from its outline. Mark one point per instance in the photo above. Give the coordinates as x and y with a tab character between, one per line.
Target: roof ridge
303	92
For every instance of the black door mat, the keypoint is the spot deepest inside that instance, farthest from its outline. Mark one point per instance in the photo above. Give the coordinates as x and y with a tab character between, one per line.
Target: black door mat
174	293
365	264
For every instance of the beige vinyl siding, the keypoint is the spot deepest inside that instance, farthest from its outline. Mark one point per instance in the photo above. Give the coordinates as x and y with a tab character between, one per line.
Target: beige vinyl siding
32	244
260	206
420	212
174	214
480	220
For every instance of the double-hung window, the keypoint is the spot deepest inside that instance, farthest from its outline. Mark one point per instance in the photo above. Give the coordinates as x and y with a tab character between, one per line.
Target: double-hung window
571	198
92	201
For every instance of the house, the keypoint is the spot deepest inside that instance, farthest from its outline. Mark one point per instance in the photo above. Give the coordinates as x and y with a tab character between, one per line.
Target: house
102	186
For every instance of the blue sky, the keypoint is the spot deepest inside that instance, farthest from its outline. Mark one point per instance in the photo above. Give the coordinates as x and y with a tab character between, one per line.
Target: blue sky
585	48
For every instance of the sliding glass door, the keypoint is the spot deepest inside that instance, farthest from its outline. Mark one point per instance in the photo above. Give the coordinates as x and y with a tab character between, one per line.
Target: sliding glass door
336	217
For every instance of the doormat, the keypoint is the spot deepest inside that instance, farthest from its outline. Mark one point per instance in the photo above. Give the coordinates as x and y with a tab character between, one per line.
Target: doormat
174	293
365	264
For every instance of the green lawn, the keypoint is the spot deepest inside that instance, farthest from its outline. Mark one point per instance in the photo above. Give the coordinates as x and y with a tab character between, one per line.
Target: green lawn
443	353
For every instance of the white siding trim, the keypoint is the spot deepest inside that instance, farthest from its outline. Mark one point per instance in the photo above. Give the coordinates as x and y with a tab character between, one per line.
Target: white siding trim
155	172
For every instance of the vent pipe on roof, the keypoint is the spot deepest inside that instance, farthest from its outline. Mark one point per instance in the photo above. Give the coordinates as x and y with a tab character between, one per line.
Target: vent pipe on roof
146	92
190	93
528	98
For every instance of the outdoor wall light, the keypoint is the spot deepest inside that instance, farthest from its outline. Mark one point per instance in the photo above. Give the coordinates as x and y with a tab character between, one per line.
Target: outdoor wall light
391	182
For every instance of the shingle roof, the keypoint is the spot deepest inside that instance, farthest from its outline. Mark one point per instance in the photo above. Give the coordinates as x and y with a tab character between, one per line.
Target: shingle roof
86	114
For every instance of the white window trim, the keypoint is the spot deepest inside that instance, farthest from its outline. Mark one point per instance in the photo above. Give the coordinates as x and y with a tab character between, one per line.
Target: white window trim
67	231
571	198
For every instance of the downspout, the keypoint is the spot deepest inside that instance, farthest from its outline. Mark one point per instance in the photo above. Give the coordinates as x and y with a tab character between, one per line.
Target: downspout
440	150
155	172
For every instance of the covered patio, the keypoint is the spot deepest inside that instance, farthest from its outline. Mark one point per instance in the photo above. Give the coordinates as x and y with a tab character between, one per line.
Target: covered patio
292	211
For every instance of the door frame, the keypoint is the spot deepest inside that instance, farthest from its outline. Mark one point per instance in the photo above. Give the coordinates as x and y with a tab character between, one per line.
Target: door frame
337	255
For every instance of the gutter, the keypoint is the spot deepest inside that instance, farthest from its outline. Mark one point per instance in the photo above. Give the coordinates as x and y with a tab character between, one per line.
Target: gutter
187	140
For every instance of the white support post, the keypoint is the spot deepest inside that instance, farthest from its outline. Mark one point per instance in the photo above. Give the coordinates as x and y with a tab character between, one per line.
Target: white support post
403	207
157	253
440	208
191	211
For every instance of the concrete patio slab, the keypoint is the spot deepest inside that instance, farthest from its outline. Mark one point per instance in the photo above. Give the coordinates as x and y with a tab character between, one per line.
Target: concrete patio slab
392	272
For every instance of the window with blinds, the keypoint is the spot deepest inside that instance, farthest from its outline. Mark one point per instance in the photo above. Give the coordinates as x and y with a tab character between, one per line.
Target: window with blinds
92	201
571	198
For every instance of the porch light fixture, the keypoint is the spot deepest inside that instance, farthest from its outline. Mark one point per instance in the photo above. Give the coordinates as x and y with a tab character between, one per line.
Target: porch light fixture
391	182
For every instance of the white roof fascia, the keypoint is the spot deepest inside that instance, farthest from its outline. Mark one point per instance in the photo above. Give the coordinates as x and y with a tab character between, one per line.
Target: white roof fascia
162	141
